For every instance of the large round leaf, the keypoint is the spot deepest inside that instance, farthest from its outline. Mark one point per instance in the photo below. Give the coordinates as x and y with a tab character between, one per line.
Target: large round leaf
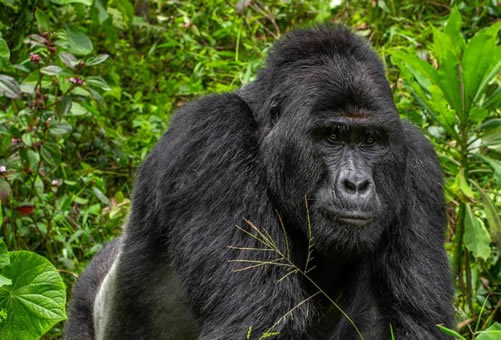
35	301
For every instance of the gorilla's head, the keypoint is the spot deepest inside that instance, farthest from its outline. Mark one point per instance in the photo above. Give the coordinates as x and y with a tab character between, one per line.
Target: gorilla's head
329	131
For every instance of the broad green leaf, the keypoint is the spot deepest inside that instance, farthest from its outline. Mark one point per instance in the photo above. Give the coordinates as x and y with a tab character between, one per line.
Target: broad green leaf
453	29
449	82
68	59
59	129
438	104
66	2
4	254
42	21
478	114
98	82
51	70
493	101
462	188
495	165
78	42
4	281
102	15
27	139
100	58
491	333
453	24
51	152
78	110
491	124
444	48
9	87
420	69
476	236
4	50
125	7
63	106
35	301
479	67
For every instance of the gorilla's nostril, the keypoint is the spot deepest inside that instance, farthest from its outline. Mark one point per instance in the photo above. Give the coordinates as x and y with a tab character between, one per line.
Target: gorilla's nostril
349	186
364	186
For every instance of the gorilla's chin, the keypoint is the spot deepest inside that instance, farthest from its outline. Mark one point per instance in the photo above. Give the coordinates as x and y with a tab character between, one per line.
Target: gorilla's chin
352	233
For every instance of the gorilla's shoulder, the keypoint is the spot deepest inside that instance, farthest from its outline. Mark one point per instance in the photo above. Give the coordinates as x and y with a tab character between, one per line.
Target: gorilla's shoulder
212	107
417	145
423	169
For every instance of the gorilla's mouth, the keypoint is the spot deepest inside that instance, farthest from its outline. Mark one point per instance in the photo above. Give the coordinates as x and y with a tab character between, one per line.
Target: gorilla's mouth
356	219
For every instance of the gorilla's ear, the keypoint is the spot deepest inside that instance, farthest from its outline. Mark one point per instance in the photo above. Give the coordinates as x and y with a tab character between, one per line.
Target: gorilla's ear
274	109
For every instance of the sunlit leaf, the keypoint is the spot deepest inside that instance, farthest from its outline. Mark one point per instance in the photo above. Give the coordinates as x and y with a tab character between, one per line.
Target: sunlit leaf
51	70
35	301
78	42
491	333
4	50
476	236
479	67
9	87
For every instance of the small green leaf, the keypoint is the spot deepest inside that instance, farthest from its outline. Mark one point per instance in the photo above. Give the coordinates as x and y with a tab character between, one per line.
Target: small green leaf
42	21
35	301
63	106
491	333
68	59
96	81
100	58
451	332
78	110
102	15
79	43
4	254
102	197
4	50
59	129
51	70
9	87
476	236
462	188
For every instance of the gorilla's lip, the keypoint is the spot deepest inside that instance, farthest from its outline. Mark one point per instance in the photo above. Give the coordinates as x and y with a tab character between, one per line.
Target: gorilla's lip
355	219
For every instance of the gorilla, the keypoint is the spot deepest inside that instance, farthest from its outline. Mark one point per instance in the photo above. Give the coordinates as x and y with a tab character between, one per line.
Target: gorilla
297	207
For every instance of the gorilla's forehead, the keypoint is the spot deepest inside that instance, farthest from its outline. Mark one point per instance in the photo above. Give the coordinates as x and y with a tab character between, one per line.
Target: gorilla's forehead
337	84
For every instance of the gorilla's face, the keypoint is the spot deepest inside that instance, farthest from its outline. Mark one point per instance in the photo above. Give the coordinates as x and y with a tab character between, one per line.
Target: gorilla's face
342	148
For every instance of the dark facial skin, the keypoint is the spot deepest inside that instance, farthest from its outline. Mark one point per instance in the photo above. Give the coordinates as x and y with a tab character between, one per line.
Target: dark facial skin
350	150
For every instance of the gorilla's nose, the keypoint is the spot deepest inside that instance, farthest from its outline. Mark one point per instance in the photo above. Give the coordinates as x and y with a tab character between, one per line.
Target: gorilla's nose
355	186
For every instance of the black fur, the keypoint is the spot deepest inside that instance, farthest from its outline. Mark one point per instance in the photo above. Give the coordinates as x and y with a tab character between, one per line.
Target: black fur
255	154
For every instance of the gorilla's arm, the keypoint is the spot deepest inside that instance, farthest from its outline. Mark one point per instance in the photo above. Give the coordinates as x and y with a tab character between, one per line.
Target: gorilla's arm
192	191
414	267
80	325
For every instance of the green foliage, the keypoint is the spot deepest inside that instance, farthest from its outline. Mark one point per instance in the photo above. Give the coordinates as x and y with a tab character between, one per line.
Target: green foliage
34	301
87	87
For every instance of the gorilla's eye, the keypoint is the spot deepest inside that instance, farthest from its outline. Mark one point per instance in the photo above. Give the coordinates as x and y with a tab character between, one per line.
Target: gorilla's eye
370	140
333	135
